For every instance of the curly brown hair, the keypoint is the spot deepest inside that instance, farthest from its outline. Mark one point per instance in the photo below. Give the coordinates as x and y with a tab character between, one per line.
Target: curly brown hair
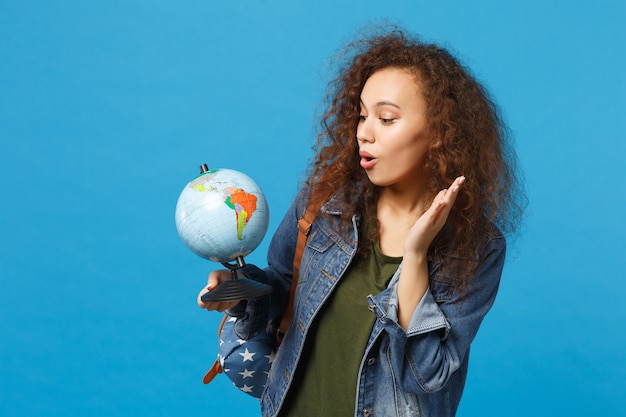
468	137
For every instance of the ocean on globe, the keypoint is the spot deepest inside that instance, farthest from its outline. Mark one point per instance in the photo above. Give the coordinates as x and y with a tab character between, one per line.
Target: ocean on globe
221	215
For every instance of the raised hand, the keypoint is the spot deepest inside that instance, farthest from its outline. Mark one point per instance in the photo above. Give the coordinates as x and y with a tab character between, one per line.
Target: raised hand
414	276
431	222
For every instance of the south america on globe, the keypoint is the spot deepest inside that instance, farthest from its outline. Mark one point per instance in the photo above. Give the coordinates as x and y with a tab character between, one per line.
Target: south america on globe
222	215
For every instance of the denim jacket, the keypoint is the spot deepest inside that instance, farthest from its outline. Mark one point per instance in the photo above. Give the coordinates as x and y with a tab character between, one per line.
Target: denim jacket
417	372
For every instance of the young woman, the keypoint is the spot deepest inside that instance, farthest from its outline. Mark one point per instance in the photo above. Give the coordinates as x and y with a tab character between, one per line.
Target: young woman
404	259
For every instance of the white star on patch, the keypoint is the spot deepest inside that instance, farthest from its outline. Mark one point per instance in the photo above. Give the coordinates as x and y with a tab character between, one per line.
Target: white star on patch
247	355
246	388
241	341
246	374
271	357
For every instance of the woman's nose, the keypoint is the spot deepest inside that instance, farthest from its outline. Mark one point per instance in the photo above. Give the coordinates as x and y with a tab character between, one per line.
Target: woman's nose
363	132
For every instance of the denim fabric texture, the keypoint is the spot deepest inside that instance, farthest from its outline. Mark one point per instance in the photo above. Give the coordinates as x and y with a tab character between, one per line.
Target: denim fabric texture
417	372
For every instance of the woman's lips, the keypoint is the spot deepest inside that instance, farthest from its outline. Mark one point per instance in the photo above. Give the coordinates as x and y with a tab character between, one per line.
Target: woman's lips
367	160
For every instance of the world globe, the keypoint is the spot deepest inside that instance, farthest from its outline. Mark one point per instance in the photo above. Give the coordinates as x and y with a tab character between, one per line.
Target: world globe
222	215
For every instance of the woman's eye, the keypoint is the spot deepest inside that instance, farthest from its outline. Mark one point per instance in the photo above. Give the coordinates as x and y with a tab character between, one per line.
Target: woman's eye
386	121
362	118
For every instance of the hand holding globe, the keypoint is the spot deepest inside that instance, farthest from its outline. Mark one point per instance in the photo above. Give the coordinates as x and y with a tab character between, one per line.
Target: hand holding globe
222	215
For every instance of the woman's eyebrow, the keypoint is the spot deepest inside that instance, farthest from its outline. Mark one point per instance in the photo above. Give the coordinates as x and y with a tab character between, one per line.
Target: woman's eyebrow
381	103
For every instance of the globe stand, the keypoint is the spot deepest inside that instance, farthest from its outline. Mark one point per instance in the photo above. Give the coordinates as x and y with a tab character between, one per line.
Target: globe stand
237	288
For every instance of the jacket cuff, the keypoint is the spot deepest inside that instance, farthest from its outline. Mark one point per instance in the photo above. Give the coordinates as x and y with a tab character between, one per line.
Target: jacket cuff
251	314
426	317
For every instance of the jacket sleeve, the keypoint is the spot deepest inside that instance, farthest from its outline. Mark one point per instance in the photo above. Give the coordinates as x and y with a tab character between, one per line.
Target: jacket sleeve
442	326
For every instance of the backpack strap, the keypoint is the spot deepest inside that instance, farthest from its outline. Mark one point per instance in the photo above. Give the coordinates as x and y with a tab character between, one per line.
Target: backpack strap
217	367
304	228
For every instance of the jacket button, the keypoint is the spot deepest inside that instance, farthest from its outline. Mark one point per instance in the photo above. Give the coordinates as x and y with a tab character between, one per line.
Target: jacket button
367	412
371	361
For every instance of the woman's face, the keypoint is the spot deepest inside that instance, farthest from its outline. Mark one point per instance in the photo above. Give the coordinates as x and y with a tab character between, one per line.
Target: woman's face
392	129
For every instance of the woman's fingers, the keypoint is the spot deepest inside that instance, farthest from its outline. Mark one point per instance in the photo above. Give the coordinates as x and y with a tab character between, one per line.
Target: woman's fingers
215	279
430	223
442	204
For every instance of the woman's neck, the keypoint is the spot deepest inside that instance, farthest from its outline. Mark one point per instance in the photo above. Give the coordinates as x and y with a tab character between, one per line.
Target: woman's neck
397	212
409	201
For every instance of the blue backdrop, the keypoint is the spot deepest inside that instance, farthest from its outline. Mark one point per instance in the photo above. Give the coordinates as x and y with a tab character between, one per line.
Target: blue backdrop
107	109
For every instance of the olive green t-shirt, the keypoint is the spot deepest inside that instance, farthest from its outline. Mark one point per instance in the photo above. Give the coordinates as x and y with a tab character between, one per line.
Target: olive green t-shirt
326	379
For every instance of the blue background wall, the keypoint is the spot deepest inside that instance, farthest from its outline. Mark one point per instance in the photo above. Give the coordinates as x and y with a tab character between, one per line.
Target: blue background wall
108	108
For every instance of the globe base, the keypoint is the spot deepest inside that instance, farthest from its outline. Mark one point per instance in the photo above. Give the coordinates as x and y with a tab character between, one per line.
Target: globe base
236	289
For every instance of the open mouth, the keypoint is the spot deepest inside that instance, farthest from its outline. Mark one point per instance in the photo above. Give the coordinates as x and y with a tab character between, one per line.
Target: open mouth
367	160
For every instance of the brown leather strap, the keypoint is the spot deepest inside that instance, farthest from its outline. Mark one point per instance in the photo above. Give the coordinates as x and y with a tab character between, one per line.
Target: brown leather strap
304	228
217	367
